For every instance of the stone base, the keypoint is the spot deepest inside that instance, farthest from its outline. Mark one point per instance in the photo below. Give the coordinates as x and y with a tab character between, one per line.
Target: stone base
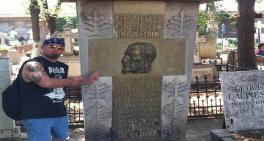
220	134
20	137
226	135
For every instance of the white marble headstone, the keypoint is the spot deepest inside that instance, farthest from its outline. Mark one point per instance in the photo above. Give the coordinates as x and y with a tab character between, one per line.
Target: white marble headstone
243	94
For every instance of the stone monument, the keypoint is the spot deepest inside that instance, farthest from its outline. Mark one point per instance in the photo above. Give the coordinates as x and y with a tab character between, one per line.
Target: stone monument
243	99
243	106
7	126
144	50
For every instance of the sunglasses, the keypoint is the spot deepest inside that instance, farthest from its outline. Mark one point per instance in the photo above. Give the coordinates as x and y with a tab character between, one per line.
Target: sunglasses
56	47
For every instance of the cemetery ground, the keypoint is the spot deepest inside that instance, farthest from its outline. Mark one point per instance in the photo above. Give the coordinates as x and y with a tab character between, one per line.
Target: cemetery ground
197	130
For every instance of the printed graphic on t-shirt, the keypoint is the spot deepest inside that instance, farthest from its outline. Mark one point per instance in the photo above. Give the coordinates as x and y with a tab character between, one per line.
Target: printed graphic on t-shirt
56	70
57	94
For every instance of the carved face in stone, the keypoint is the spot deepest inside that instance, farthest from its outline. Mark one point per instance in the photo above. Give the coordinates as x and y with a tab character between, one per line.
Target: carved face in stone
138	58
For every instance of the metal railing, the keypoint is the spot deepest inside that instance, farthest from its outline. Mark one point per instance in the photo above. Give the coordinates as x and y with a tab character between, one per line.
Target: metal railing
74	107
205	99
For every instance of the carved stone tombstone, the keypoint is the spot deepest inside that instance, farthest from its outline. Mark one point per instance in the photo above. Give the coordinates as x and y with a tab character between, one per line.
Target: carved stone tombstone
144	51
243	99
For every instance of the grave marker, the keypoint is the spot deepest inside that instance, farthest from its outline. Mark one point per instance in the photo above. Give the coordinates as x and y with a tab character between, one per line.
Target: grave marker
243	93
143	50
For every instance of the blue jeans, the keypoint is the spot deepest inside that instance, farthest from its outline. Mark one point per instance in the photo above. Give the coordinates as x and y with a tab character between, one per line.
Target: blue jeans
44	129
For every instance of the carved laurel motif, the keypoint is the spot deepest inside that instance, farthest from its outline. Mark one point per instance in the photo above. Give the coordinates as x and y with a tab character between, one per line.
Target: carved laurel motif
175	87
98	95
95	24
181	24
175	91
99	112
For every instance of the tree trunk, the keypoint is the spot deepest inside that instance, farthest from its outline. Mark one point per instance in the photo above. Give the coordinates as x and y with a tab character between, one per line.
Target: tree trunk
51	17
35	26
34	12
245	35
51	24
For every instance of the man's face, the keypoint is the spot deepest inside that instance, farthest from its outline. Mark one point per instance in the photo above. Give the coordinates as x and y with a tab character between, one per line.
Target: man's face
133	62
52	51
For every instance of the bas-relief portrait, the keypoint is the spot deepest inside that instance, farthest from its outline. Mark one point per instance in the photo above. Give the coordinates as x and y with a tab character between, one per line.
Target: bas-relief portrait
121	56
138	58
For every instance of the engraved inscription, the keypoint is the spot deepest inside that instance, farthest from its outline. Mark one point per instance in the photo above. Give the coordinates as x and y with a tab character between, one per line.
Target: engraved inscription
138	26
137	106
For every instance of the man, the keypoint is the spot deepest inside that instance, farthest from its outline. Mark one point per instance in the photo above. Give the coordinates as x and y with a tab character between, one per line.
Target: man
138	58
43	79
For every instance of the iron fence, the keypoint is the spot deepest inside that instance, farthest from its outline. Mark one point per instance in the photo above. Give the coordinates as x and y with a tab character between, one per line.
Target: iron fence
205	98
74	107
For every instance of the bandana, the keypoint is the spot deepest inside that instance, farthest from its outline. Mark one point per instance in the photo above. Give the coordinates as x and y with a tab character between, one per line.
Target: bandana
59	41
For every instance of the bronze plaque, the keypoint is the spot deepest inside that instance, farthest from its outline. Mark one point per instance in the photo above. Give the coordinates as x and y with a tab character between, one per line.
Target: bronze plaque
108	55
137	107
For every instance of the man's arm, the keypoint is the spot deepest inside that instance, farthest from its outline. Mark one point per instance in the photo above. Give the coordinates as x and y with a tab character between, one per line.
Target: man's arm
34	71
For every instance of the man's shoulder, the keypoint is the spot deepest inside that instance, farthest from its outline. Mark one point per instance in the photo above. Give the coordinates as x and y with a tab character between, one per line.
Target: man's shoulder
62	63
29	61
44	61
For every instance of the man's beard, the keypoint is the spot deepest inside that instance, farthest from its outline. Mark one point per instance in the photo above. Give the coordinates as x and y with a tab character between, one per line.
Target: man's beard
52	56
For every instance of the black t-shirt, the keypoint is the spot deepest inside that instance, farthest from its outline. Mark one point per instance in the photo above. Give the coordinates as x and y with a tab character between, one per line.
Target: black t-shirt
38	102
